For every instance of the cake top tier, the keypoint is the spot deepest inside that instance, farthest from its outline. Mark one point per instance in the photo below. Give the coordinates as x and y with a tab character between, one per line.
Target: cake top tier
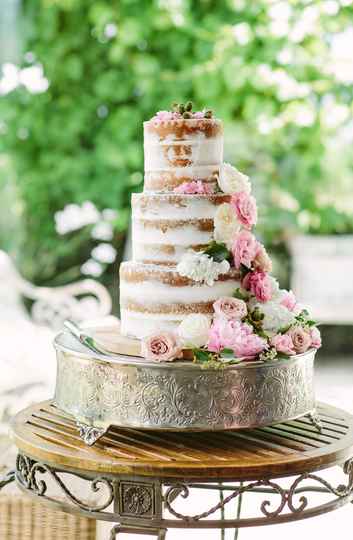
169	128
182	146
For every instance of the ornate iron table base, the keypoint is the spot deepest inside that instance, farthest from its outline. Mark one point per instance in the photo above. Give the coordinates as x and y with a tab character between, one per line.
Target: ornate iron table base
148	482
144	506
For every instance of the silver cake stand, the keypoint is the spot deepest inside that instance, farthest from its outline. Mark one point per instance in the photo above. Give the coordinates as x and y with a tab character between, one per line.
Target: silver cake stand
102	390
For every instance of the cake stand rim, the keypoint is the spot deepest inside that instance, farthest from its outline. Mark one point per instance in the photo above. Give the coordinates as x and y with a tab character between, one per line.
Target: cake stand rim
124	359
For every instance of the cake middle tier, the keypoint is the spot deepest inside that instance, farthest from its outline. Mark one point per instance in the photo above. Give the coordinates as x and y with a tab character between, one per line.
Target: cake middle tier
156	298
164	226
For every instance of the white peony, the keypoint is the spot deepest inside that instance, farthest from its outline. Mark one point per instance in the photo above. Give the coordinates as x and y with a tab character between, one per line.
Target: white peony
232	181
276	316
194	329
226	225
201	267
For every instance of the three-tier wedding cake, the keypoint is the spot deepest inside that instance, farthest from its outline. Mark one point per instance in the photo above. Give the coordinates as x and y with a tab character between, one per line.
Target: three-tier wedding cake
199	278
198	292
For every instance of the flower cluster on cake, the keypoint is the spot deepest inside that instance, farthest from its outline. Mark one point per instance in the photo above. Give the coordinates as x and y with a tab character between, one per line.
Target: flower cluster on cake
199	278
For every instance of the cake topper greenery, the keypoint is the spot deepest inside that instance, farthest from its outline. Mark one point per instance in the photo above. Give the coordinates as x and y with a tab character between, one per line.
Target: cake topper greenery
182	111
259	321
185	110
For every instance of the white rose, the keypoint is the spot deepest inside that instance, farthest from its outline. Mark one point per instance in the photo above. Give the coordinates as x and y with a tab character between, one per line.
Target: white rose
232	181
194	329
201	267
276	316
226	225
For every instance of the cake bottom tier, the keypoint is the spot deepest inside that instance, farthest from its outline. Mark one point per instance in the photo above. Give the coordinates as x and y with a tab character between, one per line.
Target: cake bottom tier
156	298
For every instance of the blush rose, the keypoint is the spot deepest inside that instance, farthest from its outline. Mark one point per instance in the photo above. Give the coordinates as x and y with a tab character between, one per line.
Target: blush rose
161	347
245	208
283	344
301	339
244	249
230	308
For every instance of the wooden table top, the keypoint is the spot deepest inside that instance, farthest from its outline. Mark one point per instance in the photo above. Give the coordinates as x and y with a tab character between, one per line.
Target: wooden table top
46	434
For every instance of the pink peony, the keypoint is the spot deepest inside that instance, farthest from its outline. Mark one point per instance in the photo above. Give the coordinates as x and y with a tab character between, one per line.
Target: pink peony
230	308
194	188
301	339
250	346
315	338
235	335
262	260
245	208
259	284
244	249
161	347
221	334
283	343
289	301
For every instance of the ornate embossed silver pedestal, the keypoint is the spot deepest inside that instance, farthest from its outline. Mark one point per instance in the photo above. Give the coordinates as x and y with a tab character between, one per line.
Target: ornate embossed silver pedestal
103	390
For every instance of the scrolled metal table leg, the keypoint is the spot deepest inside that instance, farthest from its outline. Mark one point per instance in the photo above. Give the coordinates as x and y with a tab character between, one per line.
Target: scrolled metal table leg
7	478
238	503
221	500
159	533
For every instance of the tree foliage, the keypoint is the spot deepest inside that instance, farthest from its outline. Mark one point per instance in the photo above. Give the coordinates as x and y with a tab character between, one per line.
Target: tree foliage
264	67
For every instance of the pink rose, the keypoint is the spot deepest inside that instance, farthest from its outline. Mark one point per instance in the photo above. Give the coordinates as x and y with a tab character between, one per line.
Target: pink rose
262	260
230	308
289	301
301	339
235	335
244	249
194	188
283	343
315	338
198	114
259	284
245	208
161	347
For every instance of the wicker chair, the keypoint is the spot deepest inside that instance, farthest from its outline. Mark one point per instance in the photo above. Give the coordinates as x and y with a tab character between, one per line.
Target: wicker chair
23	519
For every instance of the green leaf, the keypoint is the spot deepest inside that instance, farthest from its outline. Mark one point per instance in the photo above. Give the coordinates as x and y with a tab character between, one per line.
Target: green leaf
284	329
282	356
201	355
227	353
241	294
244	270
218	252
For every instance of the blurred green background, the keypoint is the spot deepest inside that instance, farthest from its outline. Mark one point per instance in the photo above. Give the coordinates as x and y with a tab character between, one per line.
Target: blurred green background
80	76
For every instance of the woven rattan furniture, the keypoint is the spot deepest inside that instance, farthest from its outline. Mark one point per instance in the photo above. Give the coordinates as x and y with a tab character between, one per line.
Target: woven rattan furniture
22	518
146	481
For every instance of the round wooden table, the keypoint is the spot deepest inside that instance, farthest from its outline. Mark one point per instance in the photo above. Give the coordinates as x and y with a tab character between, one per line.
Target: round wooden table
149	481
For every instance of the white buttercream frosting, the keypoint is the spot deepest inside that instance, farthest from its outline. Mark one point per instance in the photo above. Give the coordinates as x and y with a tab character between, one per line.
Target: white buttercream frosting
171	220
